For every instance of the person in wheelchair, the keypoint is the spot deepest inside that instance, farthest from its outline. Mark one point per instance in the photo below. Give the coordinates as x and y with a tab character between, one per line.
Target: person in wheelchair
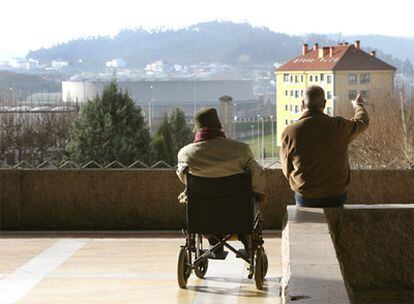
212	155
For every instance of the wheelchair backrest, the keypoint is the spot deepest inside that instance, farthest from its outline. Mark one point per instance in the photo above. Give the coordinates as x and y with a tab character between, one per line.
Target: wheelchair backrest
220	205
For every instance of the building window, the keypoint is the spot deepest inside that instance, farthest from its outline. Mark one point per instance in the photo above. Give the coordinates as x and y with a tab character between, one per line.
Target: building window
296	109
352	78
329	79
291	92
296	94
292	121
352	94
365	78
316	78
286	77
322	77
291	108
286	108
291	78
286	93
301	93
286	122
301	78
296	78
364	94
329	95
329	110
311	78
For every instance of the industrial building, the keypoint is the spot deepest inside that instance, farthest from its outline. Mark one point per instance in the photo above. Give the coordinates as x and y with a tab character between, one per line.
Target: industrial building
164	95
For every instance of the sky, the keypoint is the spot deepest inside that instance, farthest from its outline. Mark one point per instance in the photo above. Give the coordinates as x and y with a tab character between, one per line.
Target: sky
31	24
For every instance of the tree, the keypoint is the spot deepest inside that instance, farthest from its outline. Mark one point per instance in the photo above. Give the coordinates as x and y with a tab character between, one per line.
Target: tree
34	138
163	143
389	140
181	133
110	128
172	135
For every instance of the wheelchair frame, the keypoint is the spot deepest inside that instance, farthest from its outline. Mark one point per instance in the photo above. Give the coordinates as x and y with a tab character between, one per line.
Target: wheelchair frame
257	260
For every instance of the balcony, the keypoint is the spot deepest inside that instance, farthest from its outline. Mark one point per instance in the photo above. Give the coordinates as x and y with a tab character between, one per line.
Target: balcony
112	235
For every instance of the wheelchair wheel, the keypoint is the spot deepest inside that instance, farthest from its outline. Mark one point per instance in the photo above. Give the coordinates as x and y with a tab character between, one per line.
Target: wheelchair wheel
265	264
259	269
201	268
183	269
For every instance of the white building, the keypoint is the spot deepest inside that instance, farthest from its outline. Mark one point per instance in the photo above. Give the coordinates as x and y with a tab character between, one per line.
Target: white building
18	63
154	67
58	64
116	63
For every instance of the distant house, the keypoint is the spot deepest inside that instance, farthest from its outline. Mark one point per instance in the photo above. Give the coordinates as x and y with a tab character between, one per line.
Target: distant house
342	70
116	63
58	64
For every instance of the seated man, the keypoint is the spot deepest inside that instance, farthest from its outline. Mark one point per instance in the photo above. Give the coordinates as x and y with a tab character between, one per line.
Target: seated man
213	155
314	152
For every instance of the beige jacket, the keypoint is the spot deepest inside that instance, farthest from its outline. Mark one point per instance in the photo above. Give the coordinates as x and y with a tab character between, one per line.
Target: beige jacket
220	157
314	152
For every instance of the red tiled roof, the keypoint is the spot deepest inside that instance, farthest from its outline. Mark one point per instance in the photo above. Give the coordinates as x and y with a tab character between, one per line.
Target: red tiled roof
344	58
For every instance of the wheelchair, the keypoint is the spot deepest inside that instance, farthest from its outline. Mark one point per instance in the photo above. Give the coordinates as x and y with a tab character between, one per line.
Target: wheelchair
221	207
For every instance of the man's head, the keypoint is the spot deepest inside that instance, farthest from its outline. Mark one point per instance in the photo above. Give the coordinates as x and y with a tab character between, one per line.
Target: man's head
206	118
314	99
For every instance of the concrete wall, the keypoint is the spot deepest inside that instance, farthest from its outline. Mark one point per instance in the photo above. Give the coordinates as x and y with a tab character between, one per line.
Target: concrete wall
373	245
147	199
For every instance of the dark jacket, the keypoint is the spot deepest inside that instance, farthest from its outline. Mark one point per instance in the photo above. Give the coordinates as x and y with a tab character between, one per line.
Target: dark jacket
314	152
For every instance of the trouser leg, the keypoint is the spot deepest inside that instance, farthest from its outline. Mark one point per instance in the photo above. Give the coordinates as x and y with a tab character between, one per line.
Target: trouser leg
243	238
212	241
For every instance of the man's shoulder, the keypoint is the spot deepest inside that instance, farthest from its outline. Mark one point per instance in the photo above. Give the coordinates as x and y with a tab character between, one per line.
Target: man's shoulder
292	128
213	144
186	150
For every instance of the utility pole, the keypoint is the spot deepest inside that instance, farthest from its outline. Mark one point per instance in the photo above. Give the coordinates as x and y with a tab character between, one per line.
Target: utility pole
407	149
262	141
273	142
258	136
195	92
150	109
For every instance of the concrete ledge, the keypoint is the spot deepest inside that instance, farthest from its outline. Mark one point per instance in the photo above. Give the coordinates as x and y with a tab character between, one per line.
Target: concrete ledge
374	245
310	269
120	199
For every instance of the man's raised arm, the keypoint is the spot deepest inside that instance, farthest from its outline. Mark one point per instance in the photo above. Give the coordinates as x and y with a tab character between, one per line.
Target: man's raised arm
359	123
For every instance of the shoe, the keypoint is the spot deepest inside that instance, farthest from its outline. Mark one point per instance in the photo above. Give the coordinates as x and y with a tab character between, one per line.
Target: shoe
244	253
218	255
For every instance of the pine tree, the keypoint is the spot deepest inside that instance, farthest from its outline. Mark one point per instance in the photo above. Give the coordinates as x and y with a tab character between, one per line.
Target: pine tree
110	128
172	135
181	133
163	143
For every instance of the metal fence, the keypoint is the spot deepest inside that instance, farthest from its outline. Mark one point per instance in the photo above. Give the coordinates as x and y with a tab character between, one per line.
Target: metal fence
137	165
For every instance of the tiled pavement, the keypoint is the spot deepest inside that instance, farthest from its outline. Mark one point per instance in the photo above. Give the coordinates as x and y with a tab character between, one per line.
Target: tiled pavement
122	270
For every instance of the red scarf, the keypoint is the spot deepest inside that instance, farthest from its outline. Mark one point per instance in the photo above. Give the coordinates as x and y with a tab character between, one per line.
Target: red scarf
208	133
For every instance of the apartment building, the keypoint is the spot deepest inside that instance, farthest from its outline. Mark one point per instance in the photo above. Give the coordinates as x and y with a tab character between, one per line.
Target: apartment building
342	70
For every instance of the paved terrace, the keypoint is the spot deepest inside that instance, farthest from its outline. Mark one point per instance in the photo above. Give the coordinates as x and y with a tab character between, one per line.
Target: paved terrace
122	268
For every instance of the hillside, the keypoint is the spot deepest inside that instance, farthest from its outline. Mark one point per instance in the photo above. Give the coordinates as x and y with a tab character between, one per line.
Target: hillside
237	44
